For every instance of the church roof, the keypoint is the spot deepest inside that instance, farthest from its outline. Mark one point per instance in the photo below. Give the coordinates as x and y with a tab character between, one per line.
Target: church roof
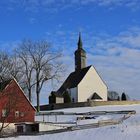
95	96
73	79
54	93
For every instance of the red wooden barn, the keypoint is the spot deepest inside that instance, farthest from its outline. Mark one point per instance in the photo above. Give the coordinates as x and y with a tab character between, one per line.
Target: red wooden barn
14	105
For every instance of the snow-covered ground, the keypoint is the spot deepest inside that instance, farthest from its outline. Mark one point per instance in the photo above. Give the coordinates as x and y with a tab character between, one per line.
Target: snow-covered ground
128	130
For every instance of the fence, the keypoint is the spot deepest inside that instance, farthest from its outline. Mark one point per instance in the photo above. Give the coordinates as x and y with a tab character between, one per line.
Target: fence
85	104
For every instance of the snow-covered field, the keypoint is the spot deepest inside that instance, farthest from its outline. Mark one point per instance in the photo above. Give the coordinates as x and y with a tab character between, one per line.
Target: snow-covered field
128	130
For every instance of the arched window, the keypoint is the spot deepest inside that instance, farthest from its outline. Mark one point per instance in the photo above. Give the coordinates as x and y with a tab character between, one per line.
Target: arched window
73	100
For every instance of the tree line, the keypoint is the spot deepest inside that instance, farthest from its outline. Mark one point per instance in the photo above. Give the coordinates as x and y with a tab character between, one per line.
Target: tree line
32	64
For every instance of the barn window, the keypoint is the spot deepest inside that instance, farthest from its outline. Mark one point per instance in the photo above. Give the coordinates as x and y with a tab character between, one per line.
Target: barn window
4	113
16	113
22	114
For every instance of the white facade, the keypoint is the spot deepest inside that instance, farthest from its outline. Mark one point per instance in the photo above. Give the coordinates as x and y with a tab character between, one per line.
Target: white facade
90	84
59	100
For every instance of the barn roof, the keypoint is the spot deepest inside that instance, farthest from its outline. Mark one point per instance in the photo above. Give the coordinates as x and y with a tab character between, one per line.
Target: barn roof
24	94
73	79
4	84
7	82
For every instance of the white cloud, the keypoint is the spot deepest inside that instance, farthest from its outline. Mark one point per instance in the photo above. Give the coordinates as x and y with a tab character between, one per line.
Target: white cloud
131	37
116	58
55	5
8	46
118	61
32	20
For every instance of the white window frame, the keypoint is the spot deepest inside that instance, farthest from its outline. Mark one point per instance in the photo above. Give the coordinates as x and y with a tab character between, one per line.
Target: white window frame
16	113
4	112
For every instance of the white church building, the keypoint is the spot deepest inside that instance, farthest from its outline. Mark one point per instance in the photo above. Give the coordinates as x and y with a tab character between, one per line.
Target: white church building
84	83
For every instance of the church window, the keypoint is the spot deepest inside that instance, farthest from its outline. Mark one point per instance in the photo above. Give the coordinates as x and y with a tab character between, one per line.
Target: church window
73	100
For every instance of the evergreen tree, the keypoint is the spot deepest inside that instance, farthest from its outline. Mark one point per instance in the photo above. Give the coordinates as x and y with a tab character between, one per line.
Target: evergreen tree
123	98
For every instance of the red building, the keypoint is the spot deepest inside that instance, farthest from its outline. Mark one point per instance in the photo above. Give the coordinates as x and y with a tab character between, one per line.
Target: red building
14	105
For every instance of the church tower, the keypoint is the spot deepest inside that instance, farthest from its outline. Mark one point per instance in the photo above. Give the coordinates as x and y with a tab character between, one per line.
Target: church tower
80	56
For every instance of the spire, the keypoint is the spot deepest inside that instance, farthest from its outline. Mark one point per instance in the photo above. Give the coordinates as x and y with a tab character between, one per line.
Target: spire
80	41
80	56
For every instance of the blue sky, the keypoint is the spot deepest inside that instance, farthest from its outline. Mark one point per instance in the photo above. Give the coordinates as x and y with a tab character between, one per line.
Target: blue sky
110	32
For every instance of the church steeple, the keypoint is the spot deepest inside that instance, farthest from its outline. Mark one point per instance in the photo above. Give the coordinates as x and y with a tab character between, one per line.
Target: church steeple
80	55
80	44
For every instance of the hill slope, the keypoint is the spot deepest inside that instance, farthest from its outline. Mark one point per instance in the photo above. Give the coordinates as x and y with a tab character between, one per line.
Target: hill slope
129	129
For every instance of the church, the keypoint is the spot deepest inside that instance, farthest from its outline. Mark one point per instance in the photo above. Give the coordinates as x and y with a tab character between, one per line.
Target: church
84	83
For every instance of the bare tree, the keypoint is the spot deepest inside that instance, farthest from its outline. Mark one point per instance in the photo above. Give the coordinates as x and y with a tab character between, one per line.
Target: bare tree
123	97
41	64
5	66
27	68
10	67
16	70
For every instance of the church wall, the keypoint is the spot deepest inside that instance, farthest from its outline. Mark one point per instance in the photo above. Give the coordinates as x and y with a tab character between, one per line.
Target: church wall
59	100
91	83
73	94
